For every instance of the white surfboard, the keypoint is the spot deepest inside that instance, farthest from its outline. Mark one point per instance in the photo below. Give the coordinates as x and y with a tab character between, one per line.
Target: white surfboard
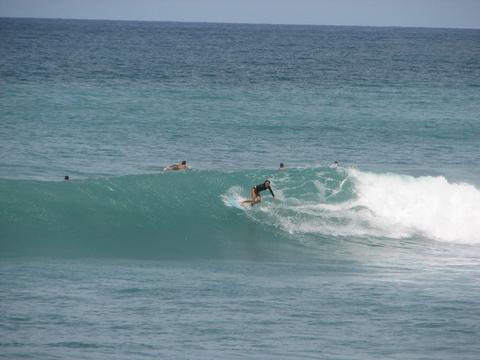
236	202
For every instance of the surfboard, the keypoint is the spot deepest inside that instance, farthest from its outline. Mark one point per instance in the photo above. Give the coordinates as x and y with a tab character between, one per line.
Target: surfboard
236	202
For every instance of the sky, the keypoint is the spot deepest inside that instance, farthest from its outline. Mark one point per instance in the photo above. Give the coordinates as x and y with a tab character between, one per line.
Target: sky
418	13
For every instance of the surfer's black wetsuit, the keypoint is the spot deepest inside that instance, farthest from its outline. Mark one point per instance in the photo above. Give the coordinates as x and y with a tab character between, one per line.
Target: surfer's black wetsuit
262	187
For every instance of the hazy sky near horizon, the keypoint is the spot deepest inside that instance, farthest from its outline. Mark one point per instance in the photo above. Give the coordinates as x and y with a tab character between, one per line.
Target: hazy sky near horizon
422	13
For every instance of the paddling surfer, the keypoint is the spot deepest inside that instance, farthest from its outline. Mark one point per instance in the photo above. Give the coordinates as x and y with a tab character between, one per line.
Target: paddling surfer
181	166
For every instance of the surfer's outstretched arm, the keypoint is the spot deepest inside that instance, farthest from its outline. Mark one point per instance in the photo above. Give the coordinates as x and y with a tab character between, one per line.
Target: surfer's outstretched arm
271	192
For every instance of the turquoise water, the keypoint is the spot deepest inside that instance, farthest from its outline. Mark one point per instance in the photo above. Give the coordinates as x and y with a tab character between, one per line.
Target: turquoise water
347	304
376	258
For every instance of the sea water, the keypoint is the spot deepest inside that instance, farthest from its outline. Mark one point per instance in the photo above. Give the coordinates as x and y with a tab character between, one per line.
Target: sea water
377	257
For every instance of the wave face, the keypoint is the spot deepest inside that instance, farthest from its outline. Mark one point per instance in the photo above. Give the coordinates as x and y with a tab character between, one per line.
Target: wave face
184	213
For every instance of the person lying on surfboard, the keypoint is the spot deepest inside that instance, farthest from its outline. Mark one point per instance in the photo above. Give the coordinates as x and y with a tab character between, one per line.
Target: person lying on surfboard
182	166
255	193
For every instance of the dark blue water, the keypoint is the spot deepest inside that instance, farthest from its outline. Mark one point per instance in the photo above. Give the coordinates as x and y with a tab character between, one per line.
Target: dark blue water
375	258
115	98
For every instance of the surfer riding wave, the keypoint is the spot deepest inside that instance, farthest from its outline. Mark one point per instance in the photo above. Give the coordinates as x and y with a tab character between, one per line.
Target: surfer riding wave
255	193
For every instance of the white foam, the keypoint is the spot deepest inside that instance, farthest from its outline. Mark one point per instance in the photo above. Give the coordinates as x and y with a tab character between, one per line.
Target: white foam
386	205
428	205
233	192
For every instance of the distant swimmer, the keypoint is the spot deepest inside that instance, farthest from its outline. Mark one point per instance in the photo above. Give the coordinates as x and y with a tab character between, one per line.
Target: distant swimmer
255	193
282	166
181	166
67	177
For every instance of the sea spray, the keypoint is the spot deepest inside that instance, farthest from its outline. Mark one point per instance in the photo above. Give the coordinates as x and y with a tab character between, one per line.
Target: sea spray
354	203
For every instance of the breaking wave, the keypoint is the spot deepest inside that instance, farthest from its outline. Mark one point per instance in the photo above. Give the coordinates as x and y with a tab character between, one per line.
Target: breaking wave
184	213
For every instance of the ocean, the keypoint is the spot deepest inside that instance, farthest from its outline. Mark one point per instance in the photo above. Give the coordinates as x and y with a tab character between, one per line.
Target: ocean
376	257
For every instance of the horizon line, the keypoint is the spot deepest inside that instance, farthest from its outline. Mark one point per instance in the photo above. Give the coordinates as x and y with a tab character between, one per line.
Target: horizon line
240	23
